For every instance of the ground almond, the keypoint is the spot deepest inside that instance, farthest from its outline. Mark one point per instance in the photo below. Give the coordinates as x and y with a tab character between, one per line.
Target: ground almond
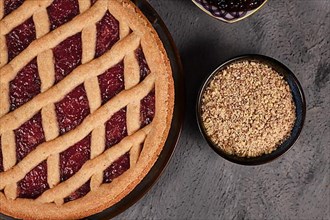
248	109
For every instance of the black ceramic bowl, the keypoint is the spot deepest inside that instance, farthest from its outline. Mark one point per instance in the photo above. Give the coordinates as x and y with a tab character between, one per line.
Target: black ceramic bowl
298	98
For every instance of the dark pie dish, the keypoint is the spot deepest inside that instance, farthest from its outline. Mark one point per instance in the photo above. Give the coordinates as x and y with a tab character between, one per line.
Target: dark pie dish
298	99
103	18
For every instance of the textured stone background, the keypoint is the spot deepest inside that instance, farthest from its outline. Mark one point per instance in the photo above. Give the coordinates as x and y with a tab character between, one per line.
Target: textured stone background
198	184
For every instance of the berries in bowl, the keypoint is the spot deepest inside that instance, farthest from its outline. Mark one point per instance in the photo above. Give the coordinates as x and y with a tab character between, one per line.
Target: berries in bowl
229	11
251	109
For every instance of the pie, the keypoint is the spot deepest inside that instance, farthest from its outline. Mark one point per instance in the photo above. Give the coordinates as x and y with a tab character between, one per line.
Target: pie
86	104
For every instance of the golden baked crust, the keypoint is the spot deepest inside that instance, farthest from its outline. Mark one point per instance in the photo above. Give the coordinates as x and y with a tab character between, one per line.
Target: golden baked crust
135	30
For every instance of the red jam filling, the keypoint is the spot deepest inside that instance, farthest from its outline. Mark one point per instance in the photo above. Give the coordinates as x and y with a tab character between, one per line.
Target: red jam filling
28	137
72	110
34	183
107	34
73	158
111	82
147	109
20	38
62	11
11	5
144	68
116	168
67	56
25	85
116	128
81	192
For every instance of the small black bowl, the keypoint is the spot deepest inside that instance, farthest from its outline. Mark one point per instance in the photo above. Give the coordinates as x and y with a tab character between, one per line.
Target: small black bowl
298	98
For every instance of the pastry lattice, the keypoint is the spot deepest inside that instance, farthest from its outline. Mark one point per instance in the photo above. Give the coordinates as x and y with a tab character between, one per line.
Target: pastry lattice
131	37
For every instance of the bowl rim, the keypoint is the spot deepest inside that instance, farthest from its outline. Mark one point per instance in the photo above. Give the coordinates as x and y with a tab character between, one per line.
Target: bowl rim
298	96
251	12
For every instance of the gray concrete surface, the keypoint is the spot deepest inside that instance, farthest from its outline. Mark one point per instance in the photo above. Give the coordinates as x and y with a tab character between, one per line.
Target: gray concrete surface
198	184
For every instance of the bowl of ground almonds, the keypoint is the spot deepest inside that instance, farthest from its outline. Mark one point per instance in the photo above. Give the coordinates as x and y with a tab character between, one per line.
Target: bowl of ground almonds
251	109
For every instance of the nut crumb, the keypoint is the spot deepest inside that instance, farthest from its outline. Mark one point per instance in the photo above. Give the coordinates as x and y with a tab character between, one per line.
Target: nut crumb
247	109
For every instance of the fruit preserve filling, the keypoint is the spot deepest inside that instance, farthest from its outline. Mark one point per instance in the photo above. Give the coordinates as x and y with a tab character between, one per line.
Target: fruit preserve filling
107	34
236	5
25	85
147	110
20	38
67	55
116	128
111	82
81	192
34	183
117	168
72	110
115	131
28	136
144	68
11	5
62	11
73	158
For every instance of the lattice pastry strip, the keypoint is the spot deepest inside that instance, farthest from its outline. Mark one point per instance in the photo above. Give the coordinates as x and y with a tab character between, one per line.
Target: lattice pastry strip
132	78
8	148
97	148
3	51
8	140
84	5
2	9
41	22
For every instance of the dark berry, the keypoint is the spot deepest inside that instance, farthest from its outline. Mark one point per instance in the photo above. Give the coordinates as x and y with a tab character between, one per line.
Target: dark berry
236	5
